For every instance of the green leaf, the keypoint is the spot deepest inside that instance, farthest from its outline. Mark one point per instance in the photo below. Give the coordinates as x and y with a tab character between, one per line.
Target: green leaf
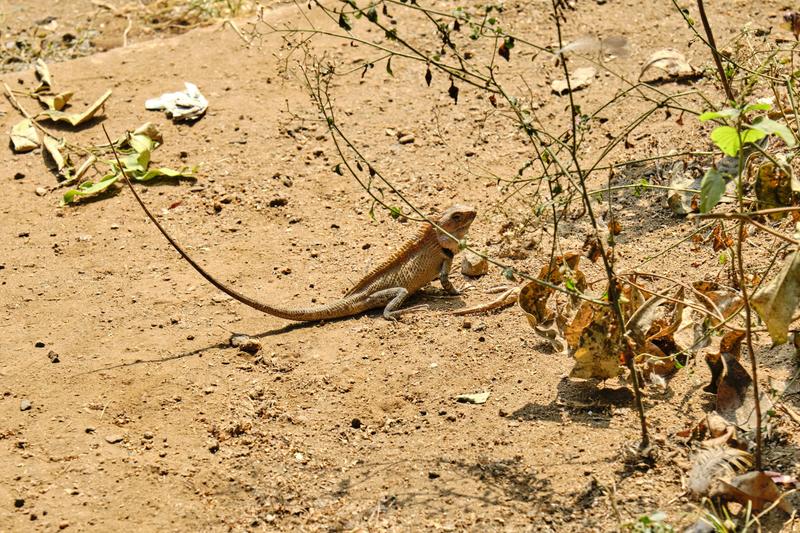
761	106
727	139
88	188
372	14
141	143
184	172
768	126
728	113
711	189
343	23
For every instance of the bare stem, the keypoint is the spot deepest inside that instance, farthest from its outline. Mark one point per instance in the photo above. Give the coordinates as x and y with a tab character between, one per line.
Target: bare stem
714	52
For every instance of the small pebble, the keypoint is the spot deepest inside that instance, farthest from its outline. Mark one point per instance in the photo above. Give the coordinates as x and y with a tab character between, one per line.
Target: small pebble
147	435
113	439
278	202
355	423
433	475
53	356
474	265
19	176
90	429
406	139
114	226
245	344
19	502
41	191
25	405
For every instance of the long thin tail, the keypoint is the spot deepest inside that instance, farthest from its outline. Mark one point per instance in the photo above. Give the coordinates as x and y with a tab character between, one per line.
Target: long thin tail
340	308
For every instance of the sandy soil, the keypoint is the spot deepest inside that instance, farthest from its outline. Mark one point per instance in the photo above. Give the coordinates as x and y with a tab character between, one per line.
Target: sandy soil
150	421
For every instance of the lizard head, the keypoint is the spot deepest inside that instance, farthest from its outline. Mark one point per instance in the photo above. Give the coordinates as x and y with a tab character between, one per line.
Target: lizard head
455	221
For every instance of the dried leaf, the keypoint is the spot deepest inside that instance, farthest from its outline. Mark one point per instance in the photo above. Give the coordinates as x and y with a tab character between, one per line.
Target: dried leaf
53	149
578	79
599	345
642	319
670	61
731	343
43	75
24	137
792	22
725	301
76	119
56	102
754	488
711	466
477	398
534	296
550	332
777	301
720	240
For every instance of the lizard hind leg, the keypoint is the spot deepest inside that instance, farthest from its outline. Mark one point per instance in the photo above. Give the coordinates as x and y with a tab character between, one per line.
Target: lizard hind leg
392	299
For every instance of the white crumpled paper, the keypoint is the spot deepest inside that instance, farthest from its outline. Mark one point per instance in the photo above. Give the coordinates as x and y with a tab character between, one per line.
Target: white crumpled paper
187	105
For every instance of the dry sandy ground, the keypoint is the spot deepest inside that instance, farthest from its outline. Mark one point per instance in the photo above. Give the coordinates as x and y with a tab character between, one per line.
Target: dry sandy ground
344	425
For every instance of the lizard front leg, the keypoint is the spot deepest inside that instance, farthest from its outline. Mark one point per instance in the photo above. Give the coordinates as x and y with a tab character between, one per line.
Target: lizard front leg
444	276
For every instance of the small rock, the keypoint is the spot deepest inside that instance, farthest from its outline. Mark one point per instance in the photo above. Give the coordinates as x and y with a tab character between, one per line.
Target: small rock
219	298
114	438
41	191
406	139
299	457
114	226
19	176
355	423
213	445
208	390
84	238
19	502
433	475
90	429
25	405
148	435
39	344
24	234
63	525
245	344
466	324
53	356
474	265
278	202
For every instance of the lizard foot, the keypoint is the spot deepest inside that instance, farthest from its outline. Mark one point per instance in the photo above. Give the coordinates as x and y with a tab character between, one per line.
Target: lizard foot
394	315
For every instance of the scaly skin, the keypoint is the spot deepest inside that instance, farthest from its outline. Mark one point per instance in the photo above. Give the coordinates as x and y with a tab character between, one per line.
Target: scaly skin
418	262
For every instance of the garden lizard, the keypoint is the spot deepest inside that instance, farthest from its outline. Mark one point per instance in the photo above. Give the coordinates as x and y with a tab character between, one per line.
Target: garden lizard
419	261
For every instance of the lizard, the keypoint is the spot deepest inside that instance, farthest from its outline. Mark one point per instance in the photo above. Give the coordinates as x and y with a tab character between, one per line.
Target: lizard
428	255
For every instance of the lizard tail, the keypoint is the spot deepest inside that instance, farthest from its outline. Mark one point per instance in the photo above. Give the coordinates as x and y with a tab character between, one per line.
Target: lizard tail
344	307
